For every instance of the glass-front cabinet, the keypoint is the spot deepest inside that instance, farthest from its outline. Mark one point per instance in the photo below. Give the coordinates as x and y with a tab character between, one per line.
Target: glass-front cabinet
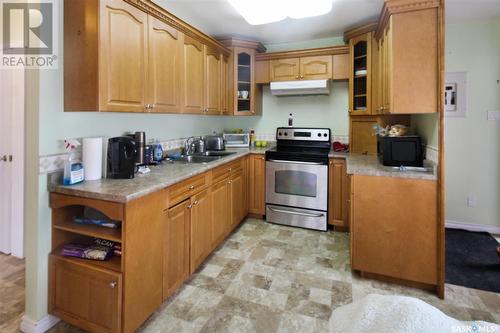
360	75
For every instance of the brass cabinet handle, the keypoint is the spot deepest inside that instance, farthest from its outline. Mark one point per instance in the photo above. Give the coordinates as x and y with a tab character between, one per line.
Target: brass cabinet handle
191	187
190	206
112	285
297	77
301	76
230	169
195	202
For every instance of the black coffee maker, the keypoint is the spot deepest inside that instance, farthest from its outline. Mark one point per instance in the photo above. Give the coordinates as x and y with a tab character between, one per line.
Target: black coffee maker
122	156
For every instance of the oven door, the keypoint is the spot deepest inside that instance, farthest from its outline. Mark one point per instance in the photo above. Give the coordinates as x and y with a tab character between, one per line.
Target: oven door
297	184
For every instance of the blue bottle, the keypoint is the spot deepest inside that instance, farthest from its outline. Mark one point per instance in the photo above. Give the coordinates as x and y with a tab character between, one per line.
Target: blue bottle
157	152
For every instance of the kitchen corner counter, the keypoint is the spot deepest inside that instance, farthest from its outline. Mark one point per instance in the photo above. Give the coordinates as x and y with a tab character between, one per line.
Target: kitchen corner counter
160	177
370	165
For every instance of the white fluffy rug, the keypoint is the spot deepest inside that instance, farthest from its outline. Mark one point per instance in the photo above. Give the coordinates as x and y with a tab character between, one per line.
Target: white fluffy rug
387	314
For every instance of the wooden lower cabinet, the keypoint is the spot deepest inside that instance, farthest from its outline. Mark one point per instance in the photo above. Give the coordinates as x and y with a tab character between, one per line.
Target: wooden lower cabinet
237	195
221	211
85	296
201	228
176	228
394	228
257	184
338	193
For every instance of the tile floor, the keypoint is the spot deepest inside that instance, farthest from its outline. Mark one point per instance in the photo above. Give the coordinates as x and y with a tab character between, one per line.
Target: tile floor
11	293
270	278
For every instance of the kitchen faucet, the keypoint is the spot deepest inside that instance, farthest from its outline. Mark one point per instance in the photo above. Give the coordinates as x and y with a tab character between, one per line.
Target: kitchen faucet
190	145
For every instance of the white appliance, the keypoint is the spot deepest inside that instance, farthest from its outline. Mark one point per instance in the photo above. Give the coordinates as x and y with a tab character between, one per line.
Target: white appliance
236	140
302	87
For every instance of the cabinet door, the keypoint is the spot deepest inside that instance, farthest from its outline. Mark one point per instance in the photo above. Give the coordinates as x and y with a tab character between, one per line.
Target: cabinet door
360	75
165	64
338	189
201	228
394	231
176	247
341	66
244	76
224	85
193	76
212	81
237	198
285	69
87	297
316	68
221	211
362	139
387	107
123	57
257	184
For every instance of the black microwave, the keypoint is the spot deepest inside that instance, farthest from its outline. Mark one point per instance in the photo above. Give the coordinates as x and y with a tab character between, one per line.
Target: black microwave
401	150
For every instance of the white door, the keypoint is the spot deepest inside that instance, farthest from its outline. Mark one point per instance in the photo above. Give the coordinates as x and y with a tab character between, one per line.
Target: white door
11	161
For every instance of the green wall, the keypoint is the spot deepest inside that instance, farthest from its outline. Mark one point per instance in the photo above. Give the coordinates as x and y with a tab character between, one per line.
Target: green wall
472	152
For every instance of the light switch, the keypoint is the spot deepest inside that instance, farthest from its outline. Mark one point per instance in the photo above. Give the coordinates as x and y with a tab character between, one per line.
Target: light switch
494	115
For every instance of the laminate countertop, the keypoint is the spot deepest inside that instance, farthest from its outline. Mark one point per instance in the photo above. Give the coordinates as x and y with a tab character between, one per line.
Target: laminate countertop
167	174
160	177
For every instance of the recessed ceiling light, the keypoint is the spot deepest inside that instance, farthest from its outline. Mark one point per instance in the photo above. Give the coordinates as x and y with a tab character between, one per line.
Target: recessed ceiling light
257	12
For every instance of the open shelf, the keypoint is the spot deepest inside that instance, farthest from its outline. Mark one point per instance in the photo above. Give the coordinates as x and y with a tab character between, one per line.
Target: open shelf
245	82
111	234
360	57
247	66
113	263
360	95
359	76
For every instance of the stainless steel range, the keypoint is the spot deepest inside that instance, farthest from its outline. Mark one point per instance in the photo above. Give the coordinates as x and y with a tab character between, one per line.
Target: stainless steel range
297	178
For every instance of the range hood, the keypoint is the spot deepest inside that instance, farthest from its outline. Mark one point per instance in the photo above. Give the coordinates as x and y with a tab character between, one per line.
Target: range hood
302	87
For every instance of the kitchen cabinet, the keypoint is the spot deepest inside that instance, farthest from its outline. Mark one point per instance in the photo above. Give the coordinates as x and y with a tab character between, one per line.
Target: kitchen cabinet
92	295
303	68
165	63
201	228
385	239
341	66
137	60
123	57
284	69
360	75
262	72
213	81
237	190
225	87
176	240
257	184
245	97
193	76
221	211
338	193
362	137
409	46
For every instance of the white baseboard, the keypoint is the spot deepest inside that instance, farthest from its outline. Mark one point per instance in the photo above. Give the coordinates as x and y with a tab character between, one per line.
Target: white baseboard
28	325
492	229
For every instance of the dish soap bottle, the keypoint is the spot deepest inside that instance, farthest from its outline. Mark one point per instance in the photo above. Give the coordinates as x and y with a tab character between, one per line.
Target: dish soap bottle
73	168
157	152
290	120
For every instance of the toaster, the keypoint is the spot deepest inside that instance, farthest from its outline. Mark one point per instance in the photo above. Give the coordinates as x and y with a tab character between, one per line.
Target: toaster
237	140
214	142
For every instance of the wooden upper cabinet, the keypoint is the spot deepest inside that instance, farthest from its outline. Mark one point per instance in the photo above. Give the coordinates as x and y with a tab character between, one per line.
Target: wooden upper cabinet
244	68
262	72
341	65
212	81
284	69
360	75
193	76
165	64
176	226
316	68
123	57
362	140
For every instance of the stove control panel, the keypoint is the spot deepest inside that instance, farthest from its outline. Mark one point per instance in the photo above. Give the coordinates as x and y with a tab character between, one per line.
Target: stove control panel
303	134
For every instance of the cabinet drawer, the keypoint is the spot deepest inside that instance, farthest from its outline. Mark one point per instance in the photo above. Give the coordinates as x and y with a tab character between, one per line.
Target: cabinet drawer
226	170
187	188
86	296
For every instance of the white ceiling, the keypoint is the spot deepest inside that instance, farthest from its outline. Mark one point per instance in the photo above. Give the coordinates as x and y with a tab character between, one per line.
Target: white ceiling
217	18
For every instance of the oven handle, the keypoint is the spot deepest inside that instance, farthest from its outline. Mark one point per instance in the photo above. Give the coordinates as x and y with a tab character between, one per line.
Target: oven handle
296	162
295	213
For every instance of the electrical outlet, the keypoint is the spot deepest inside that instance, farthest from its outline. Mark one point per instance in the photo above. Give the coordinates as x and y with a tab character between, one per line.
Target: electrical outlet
494	115
471	201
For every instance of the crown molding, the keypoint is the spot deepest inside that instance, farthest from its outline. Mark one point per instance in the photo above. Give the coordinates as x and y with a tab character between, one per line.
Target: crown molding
237	42
330	50
153	9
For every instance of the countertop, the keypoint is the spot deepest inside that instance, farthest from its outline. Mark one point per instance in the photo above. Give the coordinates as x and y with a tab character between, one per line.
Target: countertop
160	177
167	174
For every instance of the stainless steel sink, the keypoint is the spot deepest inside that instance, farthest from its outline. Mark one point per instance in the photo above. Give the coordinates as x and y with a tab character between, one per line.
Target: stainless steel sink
217	153
196	159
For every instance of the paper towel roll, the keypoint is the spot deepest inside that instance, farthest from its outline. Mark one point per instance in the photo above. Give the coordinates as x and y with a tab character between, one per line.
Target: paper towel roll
92	158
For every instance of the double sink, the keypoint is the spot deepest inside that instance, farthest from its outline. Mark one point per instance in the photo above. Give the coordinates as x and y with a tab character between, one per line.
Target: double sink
206	157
